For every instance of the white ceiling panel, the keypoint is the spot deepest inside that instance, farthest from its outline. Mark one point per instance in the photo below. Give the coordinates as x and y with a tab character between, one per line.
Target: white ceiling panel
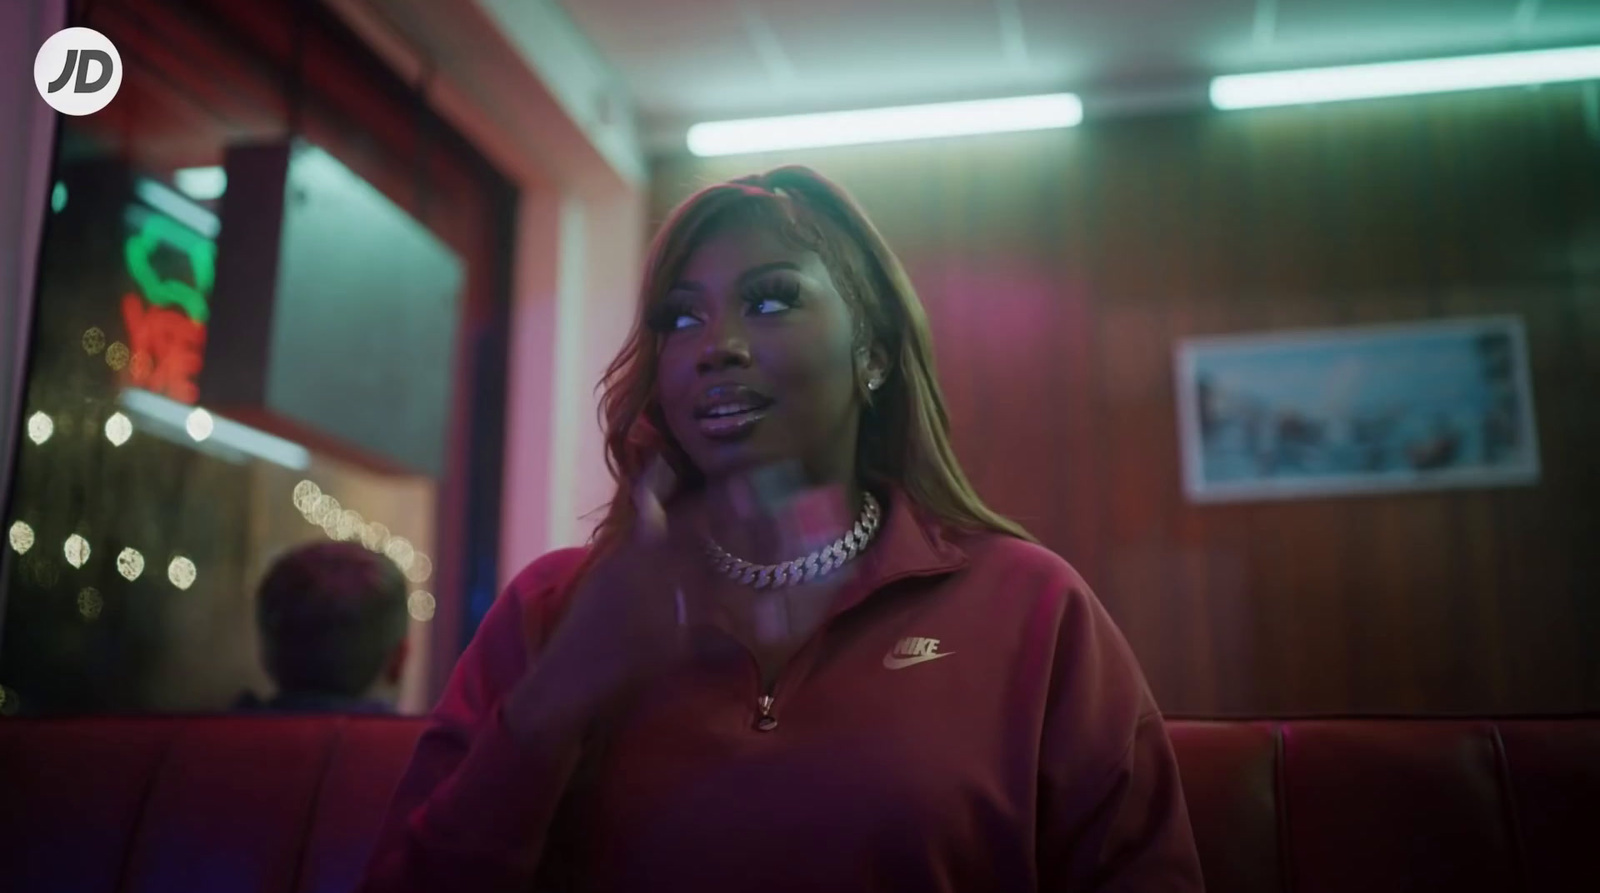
819	33
683	56
1138	39
1317	30
832	52
1567	20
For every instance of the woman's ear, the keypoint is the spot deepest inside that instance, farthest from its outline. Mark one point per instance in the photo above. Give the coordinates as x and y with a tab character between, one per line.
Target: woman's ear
872	367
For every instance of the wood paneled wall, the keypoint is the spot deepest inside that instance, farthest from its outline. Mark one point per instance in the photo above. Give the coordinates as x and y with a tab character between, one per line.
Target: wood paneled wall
1059	268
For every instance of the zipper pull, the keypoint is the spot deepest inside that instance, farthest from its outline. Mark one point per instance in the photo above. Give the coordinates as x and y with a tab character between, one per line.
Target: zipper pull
766	722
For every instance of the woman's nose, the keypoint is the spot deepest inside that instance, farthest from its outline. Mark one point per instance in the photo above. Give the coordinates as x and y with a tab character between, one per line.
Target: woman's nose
725	347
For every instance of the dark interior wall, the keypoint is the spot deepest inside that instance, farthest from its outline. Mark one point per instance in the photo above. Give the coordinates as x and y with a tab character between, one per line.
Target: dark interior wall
1059	269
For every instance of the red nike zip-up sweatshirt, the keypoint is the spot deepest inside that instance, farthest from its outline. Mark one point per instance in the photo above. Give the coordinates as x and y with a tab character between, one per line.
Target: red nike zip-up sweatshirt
968	719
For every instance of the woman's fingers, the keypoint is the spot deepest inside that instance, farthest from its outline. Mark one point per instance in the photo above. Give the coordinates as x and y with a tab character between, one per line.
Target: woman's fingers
650	494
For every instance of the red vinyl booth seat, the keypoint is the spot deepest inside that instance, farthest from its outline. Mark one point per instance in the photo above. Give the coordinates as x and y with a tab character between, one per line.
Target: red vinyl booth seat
231	804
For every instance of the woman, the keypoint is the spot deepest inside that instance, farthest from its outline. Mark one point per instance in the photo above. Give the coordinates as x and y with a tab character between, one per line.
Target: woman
800	654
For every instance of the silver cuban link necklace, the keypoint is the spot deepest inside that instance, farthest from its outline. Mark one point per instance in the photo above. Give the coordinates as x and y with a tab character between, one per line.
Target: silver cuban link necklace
806	568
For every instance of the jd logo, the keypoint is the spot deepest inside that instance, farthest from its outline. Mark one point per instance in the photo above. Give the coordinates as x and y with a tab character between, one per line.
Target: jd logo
77	71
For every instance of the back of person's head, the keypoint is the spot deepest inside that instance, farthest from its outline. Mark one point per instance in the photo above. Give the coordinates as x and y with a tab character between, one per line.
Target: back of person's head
332	619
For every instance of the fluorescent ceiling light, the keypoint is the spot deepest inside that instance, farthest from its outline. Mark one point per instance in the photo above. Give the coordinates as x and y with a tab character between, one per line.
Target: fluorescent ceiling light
178	208
203	184
1243	91
227	439
909	122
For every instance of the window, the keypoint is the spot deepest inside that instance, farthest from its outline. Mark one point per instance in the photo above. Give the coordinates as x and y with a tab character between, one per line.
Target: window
145	512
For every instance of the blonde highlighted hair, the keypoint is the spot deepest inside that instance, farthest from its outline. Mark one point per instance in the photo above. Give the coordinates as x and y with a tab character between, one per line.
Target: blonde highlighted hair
905	429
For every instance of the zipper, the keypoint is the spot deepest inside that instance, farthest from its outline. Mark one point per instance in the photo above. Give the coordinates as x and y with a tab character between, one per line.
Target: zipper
766	719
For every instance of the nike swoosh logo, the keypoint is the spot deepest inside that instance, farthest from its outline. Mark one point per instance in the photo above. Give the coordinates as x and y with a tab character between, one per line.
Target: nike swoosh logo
900	663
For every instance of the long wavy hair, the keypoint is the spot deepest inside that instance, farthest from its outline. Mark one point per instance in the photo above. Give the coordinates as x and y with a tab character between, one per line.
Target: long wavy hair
904	436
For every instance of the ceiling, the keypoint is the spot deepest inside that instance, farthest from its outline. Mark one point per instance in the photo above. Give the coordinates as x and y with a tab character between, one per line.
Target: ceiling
693	60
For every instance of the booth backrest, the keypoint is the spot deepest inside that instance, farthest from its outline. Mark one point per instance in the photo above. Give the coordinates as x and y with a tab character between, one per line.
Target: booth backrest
1381	805
292	805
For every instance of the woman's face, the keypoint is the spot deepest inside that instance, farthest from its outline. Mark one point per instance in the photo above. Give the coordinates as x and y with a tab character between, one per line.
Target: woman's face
757	364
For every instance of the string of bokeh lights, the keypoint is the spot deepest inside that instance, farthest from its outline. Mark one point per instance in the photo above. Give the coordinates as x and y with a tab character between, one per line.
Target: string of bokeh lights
181	571
317	507
347	525
118	429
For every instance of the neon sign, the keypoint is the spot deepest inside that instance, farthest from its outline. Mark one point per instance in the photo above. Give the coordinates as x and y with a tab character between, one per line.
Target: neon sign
159	230
166	328
168	349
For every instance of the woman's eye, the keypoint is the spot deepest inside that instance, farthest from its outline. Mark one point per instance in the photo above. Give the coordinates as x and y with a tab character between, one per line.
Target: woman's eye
774	297
670	316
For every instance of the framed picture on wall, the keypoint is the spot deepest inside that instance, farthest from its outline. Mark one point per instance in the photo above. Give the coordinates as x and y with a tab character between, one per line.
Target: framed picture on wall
1444	403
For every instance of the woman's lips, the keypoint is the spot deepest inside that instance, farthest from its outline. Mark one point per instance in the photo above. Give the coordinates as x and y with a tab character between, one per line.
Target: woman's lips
730	411
731	425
